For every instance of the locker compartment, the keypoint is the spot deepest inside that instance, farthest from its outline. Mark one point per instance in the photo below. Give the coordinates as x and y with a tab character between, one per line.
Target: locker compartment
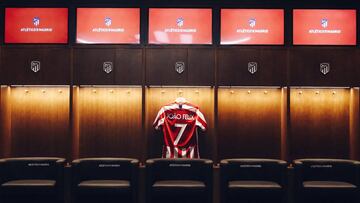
107	122
251	122
203	97
319	120
35	120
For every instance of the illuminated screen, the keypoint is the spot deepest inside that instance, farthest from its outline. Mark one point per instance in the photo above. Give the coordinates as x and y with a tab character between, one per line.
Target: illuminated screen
36	25
108	25
324	27
180	26
252	26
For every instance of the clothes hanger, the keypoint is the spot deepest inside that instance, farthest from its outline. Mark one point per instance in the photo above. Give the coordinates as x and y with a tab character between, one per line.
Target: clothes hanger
180	100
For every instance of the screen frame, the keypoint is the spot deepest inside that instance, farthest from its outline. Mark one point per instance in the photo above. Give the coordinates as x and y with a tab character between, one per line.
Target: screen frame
175	44
291	29
255	8
107	44
35	7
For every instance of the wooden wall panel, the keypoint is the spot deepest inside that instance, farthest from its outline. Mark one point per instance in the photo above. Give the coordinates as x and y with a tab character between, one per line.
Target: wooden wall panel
5	121
75	123
249	123
129	67
88	66
354	123
203	97
160	66
39	121
304	66
233	66
319	120
54	65
15	63
110	122
201	66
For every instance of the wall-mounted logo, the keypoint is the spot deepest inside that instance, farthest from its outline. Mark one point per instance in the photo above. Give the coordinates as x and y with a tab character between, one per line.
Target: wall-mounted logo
36	21
324	23
108	21
252	67
180	67
324	68
180	22
108	67
252	22
35	66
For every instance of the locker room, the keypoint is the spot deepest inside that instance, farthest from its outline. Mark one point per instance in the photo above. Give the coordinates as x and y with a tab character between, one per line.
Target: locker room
212	101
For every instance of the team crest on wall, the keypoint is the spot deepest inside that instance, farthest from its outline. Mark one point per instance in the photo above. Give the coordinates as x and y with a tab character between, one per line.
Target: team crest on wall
180	67
35	66
108	67
252	67
324	68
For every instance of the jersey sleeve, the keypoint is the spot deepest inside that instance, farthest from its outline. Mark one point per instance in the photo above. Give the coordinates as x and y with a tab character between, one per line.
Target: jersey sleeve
159	120
200	120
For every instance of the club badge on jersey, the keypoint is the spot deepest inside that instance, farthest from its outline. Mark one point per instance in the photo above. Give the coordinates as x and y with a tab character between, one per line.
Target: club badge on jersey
179	122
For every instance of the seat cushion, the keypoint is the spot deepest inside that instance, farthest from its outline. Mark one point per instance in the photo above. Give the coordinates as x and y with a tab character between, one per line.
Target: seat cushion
253	185
328	185
29	186
178	187
104	186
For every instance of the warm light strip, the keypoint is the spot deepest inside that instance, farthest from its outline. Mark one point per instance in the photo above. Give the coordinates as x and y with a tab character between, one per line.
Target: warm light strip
108	86
316	87
169	86
251	87
50	86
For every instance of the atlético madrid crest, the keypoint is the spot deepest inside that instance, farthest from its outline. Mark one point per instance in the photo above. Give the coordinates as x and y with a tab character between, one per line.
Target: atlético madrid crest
252	67
180	22
108	21
324	68
324	22
252	22
179	67
107	66
35	66
36	21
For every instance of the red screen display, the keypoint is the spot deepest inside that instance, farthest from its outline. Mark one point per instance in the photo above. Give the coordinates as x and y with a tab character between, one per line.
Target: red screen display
252	26
108	25
36	25
180	26
324	27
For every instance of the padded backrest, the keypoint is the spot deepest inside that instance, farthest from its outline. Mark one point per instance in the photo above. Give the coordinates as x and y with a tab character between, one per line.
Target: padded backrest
327	169
179	169
253	169
104	168
32	168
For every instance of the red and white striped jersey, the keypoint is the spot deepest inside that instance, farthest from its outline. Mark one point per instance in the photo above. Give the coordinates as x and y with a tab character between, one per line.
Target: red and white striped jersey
179	122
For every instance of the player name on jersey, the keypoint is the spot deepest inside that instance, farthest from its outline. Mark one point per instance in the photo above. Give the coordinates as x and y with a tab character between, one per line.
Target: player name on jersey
189	117
179	123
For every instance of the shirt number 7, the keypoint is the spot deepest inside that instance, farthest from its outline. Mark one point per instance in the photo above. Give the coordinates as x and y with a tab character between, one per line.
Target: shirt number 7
181	132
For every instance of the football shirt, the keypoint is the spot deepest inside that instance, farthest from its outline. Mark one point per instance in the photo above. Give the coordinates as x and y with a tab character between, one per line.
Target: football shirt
179	122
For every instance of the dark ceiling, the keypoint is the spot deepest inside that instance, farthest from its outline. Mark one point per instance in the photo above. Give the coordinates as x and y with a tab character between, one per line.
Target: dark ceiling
196	3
